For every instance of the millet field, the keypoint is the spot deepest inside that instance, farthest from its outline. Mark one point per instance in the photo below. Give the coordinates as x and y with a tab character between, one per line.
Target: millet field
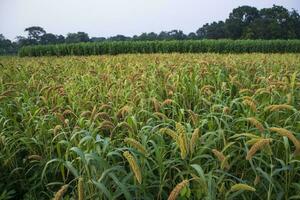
150	126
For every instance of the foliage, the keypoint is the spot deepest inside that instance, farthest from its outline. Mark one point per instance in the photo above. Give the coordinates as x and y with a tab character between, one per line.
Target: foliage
35	32
77	37
193	126
189	46
6	46
246	22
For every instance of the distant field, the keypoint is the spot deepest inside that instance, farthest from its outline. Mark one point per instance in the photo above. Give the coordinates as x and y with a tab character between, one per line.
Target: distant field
174	46
150	126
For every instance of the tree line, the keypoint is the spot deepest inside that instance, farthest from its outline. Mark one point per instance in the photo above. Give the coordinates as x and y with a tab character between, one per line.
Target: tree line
244	22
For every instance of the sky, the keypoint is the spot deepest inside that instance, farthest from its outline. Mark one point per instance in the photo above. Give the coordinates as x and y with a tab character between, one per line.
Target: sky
104	18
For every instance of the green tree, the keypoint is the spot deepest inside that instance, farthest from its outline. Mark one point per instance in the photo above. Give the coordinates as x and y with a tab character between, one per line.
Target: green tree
246	22
294	25
77	37
239	19
119	38
215	30
35	32
176	35
274	23
97	39
147	37
163	35
192	36
48	38
23	41
6	46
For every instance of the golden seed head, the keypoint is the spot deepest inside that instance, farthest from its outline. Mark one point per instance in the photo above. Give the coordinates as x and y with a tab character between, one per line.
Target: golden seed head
34	157
207	88
256	123
85	113
160	115
56	129
225	164
134	143
273	108
134	166
123	111
166	102
193	141
193	116
288	134
80	189
222	158
245	90
94	112
251	104
248	98
262	90
182	140
289	98
107	125
105	107
169	132
156	104
241	186
67	112
218	154
101	115
260	144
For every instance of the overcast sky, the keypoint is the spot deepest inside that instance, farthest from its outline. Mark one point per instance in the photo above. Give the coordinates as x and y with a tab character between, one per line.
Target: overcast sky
110	17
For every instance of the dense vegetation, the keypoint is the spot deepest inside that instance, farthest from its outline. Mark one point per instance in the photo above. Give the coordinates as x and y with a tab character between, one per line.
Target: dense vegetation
244	22
248	22
6	46
200	46
198	126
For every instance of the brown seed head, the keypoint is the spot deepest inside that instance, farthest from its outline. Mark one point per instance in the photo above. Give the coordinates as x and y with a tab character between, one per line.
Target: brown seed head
175	192
256	123
260	144
60	193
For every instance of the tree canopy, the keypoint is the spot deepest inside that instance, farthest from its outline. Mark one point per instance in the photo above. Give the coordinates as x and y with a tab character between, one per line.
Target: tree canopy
248	22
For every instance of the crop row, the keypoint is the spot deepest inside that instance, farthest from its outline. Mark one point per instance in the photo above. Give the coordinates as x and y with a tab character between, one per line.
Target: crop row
192	46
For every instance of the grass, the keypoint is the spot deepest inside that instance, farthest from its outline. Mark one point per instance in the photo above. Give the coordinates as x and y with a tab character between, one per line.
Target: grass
151	126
